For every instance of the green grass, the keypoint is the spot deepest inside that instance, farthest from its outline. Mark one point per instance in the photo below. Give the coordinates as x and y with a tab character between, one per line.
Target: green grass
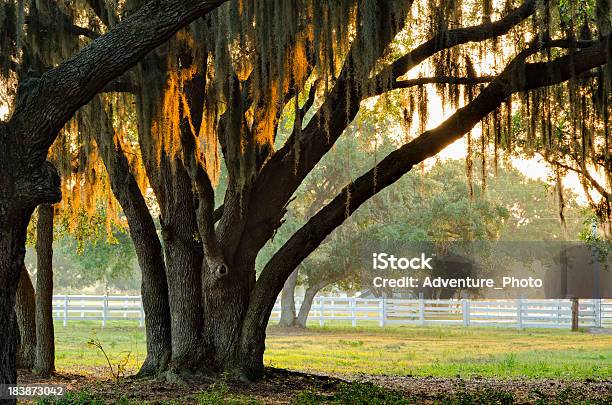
411	350
220	394
370	394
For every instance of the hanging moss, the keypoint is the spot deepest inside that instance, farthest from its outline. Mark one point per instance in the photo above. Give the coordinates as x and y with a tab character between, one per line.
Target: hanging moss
483	154
253	62
469	165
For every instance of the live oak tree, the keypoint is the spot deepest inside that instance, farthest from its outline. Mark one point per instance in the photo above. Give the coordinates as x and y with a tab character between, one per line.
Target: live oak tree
263	60
43	105
221	87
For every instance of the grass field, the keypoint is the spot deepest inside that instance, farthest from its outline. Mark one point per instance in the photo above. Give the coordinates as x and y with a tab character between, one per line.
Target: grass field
417	351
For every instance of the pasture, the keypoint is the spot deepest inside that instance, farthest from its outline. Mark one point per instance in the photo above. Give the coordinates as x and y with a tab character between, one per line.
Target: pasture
439	351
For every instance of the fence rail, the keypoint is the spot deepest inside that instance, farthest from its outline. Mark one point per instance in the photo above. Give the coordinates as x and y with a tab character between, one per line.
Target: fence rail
520	313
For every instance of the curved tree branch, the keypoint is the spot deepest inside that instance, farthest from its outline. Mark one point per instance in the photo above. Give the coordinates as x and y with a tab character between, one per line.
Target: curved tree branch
518	76
404	84
273	187
78	79
585	173
454	37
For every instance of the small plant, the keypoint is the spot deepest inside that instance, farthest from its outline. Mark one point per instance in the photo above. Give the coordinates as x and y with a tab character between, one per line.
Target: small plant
509	362
120	368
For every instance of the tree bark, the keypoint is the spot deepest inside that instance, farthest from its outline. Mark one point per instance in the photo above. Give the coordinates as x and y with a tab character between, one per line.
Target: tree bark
575	314
13	231
154	289
45	339
25	310
183	264
181	239
183	257
288	301
309	295
225	303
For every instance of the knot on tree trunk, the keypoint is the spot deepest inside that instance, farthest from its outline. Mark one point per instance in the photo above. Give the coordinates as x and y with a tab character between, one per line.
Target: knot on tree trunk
38	186
218	267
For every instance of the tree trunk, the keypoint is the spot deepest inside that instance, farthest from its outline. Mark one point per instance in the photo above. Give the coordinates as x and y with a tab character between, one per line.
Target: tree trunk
183	266
288	301
183	262
225	304
575	314
309	296
25	310
26	179
181	240
45	339
13	230
154	288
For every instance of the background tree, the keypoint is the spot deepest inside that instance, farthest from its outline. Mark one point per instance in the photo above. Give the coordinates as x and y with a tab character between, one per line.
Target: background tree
45	337
25	308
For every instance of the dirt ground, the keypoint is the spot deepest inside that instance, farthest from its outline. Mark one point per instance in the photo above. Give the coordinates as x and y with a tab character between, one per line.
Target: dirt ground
283	387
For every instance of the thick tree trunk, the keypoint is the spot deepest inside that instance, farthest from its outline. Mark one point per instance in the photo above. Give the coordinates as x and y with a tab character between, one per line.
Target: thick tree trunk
225	303
181	240
184	256
25	310
13	229
253	342
183	262
148	248
26	180
45	337
287	317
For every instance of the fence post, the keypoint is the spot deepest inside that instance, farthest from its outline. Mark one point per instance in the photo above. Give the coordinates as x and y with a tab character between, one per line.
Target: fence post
383	312
597	312
421	309
65	310
321	309
466	312
353	312
105	310
519	312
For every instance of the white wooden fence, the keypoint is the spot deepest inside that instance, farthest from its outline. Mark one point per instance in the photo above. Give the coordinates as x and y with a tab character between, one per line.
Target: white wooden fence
519	313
